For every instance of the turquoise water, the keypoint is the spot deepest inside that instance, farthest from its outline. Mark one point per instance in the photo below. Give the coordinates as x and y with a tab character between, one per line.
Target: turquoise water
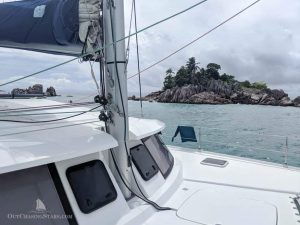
253	131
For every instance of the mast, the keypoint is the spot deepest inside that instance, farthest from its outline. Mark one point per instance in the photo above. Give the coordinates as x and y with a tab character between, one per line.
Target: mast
116	84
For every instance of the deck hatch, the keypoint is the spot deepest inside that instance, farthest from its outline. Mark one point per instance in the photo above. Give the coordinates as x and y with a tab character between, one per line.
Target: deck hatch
210	206
91	185
214	162
144	162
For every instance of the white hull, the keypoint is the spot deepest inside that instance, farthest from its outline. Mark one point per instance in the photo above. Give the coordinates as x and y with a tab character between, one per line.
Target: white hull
245	192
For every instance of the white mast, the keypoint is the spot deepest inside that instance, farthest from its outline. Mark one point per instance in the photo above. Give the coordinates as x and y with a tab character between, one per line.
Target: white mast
118	101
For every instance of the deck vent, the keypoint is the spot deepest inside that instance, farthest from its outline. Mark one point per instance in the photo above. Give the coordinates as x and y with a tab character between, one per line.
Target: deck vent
214	162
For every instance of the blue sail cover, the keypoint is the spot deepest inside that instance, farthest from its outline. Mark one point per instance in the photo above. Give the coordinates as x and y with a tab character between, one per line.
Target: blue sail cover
50	26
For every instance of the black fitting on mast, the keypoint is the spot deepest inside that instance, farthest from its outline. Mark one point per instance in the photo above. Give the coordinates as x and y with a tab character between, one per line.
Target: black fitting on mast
101	99
103	117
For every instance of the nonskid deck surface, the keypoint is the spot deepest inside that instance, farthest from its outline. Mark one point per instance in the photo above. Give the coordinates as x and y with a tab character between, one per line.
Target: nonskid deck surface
243	193
200	203
239	172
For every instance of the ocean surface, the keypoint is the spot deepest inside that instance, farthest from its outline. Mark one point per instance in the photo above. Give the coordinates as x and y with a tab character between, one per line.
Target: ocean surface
252	131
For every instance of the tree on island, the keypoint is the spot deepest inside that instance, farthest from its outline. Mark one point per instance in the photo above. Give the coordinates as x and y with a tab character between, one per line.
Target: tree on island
191	73
227	78
182	77
259	85
212	71
246	84
169	79
192	69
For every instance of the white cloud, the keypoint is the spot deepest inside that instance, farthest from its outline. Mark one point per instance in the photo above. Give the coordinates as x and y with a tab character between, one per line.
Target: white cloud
260	44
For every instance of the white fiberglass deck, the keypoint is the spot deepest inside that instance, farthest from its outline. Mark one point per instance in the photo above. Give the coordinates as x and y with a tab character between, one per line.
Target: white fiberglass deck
245	192
25	145
239	172
207	204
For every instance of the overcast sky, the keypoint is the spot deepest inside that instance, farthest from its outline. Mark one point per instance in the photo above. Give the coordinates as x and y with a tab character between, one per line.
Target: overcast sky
262	44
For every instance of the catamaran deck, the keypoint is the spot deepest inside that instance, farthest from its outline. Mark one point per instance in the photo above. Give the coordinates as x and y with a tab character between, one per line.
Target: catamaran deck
245	190
242	173
202	203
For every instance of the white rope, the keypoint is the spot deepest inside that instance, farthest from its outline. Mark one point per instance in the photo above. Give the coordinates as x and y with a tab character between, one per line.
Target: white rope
128	41
94	78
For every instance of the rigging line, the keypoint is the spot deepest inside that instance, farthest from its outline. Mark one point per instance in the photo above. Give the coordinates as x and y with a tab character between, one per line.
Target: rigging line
195	40
157	207
138	57
106	46
22	126
41	114
48	121
84	97
128	40
154	204
49	128
94	78
49	107
101	77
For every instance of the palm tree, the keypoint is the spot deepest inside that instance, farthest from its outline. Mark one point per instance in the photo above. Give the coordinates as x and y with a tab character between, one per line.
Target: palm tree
169	79
192	68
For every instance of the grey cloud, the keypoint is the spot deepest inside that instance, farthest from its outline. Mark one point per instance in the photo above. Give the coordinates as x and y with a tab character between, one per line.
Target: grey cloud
261	44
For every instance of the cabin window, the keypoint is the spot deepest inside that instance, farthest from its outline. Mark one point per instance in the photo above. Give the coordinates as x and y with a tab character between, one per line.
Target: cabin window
144	162
30	197
160	153
91	185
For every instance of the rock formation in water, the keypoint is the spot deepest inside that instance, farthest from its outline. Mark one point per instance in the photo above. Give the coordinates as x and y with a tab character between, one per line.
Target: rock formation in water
36	89
218	93
50	91
296	101
195	85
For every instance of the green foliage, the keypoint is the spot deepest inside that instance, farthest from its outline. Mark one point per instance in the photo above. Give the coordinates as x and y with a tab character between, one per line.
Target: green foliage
191	69
212	71
245	84
169	81
256	85
182	77
191	73
227	78
259	85
200	76
213	66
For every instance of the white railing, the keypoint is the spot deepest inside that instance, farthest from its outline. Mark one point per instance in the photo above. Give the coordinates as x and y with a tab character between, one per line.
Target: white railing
275	148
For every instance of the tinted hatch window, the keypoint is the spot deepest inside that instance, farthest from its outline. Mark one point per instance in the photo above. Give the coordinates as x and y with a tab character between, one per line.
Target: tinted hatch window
160	153
91	185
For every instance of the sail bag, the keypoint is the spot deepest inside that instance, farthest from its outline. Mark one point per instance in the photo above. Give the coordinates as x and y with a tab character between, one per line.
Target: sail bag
67	27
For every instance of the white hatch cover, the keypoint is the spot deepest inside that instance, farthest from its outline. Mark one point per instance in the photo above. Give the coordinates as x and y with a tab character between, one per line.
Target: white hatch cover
221	208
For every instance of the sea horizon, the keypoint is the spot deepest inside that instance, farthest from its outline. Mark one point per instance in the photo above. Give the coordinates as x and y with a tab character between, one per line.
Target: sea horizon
252	131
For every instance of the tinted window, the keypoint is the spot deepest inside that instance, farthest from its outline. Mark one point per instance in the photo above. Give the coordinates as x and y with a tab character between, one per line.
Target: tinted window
29	197
144	162
91	185
160	153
